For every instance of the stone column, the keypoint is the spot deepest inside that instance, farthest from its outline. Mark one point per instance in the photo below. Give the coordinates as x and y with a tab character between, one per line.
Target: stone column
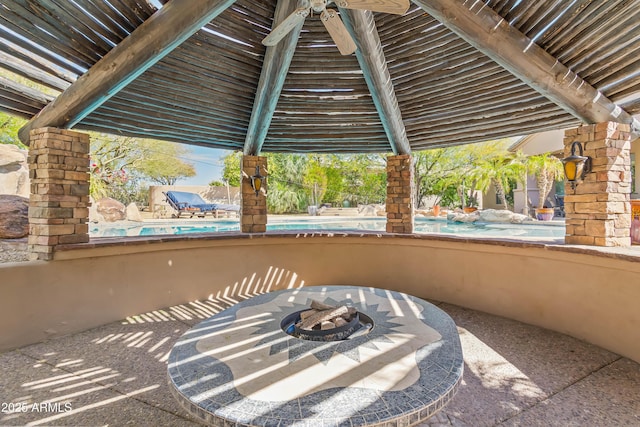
253	214
400	194
59	201
598	211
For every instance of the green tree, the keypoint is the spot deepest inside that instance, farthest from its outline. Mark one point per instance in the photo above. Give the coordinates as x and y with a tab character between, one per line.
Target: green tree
482	168
435	175
336	185
295	180
121	166
287	193
452	175
10	127
164	166
366	178
231	168
315	180
357	178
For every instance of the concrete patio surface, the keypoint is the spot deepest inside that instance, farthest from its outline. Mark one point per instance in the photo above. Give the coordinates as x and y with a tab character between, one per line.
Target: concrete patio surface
515	375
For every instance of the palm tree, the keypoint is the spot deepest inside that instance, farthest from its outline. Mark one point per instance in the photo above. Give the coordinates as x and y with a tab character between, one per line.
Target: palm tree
501	169
521	166
286	189
490	163
547	168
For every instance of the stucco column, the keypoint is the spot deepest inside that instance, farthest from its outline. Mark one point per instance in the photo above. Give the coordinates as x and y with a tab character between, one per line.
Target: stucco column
598	211
400	193
253	213
59	202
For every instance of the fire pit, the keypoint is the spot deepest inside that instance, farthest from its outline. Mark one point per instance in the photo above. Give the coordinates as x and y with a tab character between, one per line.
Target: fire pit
395	362
326	322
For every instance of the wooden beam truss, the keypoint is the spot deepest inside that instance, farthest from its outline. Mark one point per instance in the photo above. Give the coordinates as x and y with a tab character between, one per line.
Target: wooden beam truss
362	27
275	67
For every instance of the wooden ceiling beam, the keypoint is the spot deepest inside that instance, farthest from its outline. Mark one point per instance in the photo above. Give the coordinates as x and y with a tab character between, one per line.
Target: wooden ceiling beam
362	27
145	46
481	27
275	67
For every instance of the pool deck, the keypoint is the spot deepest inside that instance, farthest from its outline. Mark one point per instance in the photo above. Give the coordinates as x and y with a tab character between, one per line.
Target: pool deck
514	374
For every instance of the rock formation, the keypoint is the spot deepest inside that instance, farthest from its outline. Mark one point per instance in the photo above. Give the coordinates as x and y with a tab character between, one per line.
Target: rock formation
14	216
14	171
490	215
111	209
133	214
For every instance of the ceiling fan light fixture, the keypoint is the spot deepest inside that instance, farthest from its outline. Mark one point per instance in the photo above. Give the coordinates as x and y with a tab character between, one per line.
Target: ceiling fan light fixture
332	22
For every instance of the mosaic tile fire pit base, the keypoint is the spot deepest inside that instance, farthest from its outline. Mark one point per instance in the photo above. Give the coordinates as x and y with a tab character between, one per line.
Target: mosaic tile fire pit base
240	368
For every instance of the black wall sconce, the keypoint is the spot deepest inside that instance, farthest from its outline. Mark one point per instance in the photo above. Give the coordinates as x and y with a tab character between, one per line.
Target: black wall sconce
576	166
257	180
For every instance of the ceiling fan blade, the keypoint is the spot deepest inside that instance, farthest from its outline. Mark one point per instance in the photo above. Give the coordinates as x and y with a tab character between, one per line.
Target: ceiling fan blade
397	7
338	31
289	23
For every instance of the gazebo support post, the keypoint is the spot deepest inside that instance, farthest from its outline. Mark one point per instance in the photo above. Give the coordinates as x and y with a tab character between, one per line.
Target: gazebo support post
400	203
253	213
598	211
59	202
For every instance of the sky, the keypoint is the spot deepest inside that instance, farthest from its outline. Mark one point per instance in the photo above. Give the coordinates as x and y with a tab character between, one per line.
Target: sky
207	162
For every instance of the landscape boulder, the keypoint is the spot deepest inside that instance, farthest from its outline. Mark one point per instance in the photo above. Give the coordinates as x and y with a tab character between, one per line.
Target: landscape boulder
94	216
370	210
14	171
463	217
133	213
111	210
14	216
502	216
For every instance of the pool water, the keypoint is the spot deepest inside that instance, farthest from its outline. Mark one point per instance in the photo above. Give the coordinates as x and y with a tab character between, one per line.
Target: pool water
422	225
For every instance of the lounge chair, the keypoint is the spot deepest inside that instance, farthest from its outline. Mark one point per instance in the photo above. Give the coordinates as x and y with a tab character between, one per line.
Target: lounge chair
193	204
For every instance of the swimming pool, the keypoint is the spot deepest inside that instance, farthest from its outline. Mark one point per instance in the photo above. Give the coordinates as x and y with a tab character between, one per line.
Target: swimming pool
422	225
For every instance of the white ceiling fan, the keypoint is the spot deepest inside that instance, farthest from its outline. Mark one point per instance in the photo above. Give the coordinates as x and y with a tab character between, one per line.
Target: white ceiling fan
332	22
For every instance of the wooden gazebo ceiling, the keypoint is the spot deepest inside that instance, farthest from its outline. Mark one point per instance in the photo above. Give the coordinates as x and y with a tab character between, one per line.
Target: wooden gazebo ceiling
445	81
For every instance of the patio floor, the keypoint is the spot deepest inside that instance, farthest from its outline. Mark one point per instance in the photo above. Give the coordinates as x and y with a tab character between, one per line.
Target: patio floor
515	374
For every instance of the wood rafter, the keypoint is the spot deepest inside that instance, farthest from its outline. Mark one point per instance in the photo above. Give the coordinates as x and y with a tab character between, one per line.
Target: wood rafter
483	28
275	66
145	46
362	26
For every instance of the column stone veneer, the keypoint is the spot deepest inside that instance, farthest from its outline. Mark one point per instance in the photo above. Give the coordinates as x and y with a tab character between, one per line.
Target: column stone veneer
598	211
59	201
400	194
253	214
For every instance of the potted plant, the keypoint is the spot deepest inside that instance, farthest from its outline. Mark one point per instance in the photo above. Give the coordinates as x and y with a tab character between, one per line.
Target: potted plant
468	195
471	204
547	169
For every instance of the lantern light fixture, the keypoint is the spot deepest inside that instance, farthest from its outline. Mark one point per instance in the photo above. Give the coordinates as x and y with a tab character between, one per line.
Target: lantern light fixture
257	180
576	167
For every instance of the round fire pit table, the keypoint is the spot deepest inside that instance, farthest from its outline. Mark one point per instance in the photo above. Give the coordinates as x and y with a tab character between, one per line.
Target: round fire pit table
239	367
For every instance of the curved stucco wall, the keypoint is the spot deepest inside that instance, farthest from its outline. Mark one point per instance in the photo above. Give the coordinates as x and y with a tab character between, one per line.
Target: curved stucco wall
586	295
